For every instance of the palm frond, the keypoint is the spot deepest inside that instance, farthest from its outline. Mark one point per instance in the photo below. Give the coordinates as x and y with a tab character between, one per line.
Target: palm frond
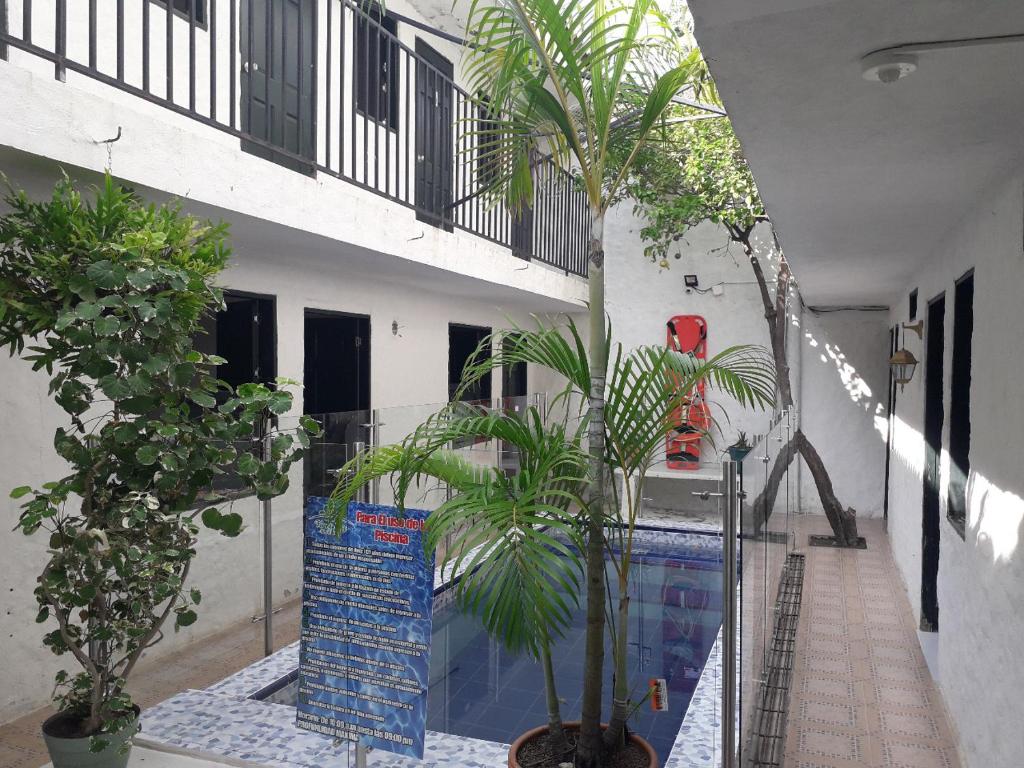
648	387
514	539
558	349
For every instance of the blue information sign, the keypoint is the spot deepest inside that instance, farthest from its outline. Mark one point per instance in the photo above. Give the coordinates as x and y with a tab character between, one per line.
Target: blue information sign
367	599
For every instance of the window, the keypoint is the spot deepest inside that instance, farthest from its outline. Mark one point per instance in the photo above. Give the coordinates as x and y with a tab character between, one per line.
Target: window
181	8
463	343
913	304
960	402
377	57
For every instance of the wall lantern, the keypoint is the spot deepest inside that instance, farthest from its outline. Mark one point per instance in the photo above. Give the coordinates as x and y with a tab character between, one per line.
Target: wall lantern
903	363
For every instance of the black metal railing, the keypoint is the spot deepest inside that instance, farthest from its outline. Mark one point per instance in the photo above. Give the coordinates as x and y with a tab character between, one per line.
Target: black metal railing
320	86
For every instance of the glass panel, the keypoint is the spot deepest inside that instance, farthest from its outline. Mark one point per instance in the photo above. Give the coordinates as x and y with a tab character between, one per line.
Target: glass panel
767	502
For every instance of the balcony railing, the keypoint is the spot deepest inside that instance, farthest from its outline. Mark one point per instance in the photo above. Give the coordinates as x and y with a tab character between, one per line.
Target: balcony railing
320	86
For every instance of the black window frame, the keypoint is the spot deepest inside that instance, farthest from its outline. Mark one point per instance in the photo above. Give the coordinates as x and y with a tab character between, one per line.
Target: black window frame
371	63
180	9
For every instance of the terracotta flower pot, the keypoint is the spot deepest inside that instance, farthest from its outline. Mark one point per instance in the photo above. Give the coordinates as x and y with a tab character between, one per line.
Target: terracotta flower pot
574	725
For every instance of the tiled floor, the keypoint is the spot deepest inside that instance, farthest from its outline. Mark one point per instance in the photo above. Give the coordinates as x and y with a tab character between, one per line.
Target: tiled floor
197	666
862	694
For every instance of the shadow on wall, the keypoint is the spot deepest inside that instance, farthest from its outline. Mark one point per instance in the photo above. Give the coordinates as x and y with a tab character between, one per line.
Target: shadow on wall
996	517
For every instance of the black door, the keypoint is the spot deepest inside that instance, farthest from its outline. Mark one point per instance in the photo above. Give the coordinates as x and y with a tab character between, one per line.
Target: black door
336	392
894	340
278	42
513	375
934	415
434	125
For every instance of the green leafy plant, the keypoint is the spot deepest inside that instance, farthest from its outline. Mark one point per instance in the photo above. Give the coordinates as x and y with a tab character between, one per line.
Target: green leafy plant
106	297
521	541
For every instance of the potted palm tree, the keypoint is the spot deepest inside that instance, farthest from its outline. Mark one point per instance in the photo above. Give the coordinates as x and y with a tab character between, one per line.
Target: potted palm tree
106	296
588	83
521	541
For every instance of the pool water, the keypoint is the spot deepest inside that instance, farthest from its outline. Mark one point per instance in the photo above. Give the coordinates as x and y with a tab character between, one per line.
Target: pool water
480	690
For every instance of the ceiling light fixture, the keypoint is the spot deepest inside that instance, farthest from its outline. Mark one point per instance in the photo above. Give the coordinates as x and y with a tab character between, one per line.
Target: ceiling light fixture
887	65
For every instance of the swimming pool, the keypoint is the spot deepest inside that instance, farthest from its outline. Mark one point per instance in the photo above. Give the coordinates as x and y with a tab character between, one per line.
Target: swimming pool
480	690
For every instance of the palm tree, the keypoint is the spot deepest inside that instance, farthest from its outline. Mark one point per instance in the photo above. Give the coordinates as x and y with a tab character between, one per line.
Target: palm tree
518	539
575	78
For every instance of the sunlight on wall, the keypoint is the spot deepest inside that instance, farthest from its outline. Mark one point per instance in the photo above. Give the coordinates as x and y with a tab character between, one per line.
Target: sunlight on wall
996	515
857	388
908	445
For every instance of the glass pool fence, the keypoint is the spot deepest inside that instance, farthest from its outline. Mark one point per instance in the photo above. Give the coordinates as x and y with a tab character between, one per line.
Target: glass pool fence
685	629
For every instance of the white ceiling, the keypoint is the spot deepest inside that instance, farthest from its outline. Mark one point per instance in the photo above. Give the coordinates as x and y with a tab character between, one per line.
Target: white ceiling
863	180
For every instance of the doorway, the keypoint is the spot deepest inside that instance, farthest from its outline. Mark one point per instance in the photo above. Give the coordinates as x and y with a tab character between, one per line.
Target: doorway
934	416
464	348
434	153
278	47
336	391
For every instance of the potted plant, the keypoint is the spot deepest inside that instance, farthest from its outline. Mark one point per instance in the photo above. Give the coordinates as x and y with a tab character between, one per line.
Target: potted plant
739	450
106	298
585	86
520	542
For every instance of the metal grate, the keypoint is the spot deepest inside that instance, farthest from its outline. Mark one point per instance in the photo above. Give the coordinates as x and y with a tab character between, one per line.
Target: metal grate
767	742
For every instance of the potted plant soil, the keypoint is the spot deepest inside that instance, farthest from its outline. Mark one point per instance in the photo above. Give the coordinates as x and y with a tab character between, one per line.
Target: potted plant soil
106	296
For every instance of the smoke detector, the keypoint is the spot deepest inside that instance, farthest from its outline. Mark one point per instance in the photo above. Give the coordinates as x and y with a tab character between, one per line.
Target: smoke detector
887	67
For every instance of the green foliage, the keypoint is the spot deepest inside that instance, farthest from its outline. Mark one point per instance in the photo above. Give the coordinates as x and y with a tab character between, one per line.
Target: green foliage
106	296
572	79
507	533
694	172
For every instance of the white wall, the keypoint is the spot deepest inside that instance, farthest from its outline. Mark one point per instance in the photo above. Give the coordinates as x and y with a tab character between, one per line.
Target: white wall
842	357
410	368
981	577
838	359
641	298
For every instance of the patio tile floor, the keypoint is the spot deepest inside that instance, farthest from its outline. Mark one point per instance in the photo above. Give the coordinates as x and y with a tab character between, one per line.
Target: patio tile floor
862	694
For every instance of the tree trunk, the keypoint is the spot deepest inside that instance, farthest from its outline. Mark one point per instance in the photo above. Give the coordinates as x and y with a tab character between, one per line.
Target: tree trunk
843	521
615	734
589	752
557	742
765	501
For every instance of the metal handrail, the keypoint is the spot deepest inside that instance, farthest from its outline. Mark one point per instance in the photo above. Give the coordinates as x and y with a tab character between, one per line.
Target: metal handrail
439	179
